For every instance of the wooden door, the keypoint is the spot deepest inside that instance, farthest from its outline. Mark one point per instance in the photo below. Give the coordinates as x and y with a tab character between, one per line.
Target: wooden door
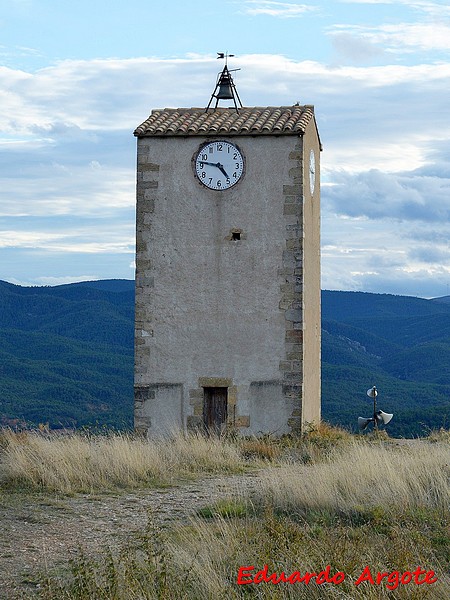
215	409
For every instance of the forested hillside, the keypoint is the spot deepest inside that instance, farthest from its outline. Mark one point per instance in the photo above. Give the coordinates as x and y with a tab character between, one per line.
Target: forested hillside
66	356
401	345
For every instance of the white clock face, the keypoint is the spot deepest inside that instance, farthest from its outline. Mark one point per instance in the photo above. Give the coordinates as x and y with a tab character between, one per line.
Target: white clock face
312	171
219	165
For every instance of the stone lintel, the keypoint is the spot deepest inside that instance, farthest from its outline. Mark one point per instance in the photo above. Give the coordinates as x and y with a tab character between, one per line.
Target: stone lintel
214	382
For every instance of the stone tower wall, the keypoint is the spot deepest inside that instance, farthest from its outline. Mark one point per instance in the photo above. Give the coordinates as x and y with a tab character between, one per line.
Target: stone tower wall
212	311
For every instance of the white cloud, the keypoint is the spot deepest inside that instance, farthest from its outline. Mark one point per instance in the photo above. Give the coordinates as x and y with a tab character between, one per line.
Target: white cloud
398	37
427	6
51	188
432	254
49	280
373	258
383	254
271	8
356	48
82	101
68	161
88	241
29	239
427	30
378	195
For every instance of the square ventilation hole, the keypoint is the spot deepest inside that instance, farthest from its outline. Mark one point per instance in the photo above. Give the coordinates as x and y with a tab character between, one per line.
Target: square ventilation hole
235	235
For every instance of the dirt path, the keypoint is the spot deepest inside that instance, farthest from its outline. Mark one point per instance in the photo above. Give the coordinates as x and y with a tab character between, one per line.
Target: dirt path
40	532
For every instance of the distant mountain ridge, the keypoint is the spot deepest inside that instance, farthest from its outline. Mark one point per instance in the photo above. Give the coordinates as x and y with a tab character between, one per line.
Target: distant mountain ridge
66	356
79	310
399	343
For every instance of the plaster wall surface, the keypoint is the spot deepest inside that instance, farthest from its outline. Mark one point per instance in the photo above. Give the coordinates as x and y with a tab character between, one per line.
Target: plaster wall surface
311	294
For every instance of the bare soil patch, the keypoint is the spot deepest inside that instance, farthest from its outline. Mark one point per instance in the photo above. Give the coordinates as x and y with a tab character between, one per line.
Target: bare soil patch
41	533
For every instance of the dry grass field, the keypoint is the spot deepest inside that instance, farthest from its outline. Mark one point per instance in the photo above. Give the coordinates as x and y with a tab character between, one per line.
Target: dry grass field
90	463
200	518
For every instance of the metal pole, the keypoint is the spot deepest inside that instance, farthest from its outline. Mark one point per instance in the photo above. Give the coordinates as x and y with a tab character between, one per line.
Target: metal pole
375	422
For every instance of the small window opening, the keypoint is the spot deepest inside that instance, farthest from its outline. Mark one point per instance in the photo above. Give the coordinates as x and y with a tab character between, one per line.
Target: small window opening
235	235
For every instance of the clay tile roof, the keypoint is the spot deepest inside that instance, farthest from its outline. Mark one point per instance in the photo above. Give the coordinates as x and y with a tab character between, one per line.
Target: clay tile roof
282	120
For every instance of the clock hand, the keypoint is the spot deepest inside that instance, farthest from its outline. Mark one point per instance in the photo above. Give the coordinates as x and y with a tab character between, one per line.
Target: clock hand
220	167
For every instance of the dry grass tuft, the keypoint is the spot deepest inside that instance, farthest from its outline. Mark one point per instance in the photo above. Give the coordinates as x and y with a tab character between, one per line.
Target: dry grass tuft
440	435
311	447
77	463
363	475
324	433
264	448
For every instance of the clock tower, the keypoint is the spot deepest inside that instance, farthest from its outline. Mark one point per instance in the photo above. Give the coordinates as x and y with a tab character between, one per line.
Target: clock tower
228	270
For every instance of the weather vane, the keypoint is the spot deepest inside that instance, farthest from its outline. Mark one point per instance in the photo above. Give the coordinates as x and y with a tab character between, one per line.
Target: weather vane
225	55
225	88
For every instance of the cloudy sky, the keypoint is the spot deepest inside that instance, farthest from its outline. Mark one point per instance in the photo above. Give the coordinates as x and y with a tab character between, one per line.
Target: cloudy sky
76	78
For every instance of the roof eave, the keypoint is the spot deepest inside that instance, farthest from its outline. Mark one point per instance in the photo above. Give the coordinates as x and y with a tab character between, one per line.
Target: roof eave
249	121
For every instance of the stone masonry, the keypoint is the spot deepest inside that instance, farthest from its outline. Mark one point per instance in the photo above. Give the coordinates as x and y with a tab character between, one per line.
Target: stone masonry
216	310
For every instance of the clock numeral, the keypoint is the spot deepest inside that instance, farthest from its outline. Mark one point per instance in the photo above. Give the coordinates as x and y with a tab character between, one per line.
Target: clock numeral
219	147
210	180
203	175
235	156
228	181
219	183
235	175
204	157
237	166
200	166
